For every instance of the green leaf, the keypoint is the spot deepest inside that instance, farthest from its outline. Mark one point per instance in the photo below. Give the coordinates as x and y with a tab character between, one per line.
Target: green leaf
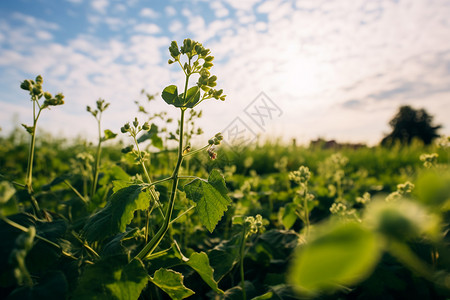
152	134
171	282
211	198
224	256
268	295
192	97
200	263
117	213
235	293
288	215
342	254
52	285
112	278
170	95
108	135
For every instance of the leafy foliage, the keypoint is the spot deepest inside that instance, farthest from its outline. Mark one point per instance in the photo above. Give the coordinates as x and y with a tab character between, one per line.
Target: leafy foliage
211	198
112	278
171	282
117	213
97	222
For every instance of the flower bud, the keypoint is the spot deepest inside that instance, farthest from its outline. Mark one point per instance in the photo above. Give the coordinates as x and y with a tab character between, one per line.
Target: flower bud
135	122
145	126
59	98
174	51
37	90
47	95
205	52
127	149
26	85
211	142
207	65
39	80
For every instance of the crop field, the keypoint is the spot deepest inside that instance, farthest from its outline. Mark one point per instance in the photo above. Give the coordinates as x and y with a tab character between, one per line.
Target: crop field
155	217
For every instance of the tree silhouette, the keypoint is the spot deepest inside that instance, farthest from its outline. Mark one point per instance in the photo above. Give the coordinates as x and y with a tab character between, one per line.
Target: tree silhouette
410	123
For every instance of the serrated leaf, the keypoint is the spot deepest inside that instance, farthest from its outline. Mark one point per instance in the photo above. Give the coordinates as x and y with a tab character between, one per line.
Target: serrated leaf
224	256
171	282
211	198
112	278
120	184
200	263
192	97
342	254
117	213
170	95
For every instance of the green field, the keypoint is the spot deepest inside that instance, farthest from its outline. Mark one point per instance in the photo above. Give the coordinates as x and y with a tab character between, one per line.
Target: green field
147	219
410	257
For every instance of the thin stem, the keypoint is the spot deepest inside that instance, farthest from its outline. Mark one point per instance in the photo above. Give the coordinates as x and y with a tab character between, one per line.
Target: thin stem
305	207
196	151
75	191
182	214
154	242
241	267
404	254
149	180
188	177
24	229
159	181
29	176
147	222
13	182
97	157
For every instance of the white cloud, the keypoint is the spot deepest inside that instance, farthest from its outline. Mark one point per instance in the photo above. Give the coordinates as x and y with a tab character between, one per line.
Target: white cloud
120	8
242	5
148	12
44	35
148	28
219	9
34	22
175	26
170	11
100	5
337	69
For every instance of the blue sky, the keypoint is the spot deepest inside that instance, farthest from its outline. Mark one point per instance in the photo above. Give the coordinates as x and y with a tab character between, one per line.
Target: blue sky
333	69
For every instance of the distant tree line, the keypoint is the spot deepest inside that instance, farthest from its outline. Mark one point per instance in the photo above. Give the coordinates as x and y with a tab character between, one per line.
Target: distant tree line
409	124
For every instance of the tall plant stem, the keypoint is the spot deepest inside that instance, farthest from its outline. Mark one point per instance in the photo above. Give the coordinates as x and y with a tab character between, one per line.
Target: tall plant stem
241	264
305	205
29	176
154	242
149	181
97	158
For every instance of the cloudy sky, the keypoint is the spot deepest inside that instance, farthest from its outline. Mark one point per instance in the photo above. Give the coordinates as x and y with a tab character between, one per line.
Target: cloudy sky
337	69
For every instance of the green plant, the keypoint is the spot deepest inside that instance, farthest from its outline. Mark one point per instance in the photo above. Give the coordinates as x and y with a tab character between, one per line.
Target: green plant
36	93
303	202
108	134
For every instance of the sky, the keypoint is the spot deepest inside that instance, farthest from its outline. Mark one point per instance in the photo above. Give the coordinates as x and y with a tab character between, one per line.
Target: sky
335	69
